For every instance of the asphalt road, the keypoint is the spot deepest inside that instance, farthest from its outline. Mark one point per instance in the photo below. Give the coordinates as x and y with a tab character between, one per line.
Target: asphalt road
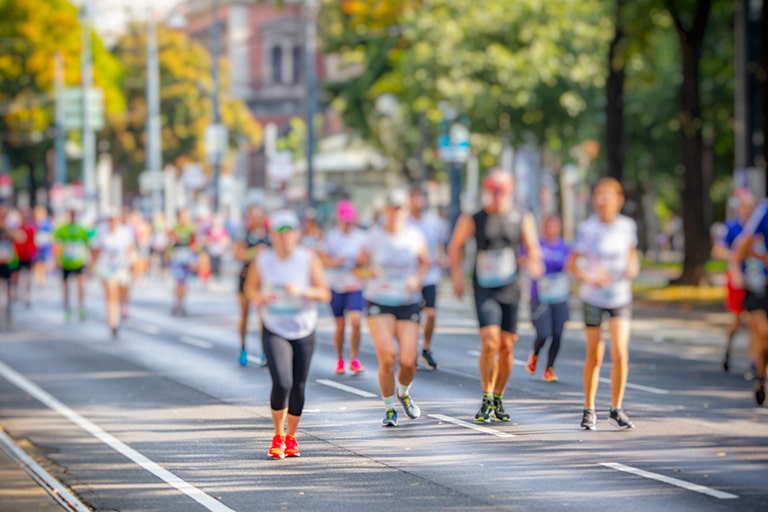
164	419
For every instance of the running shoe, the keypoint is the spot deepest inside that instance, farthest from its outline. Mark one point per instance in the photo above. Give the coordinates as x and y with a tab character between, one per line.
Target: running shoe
620	419
263	360
114	333
291	447
81	314
243	357
277	450
390	419
429	361
589	420
67	316
751	374
550	375
355	367
484	413
760	392
726	361
498	410
409	406
530	367
340	367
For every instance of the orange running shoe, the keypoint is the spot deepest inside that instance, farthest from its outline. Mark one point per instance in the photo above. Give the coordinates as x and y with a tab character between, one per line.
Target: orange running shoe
549	375
356	367
340	367
291	447
531	366
277	450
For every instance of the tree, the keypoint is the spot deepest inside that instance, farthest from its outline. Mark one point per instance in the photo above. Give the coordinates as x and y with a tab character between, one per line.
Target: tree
185	104
691	33
31	33
614	111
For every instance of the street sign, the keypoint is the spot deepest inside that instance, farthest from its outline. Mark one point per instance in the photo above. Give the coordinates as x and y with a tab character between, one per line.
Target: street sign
215	143
151	180
453	141
71	102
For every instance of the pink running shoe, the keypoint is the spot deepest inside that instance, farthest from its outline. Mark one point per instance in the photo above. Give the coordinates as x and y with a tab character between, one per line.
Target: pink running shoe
356	367
340	367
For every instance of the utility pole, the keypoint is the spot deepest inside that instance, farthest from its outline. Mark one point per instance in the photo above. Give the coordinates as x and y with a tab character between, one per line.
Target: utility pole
89	136
154	140
60	159
310	52
215	101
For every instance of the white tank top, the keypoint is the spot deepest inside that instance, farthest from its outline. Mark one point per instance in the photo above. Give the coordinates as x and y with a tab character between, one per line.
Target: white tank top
289	317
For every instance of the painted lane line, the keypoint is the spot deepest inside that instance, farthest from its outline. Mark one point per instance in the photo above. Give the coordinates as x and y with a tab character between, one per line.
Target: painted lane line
466	424
639	387
52	486
193	492
344	387
671	481
189	340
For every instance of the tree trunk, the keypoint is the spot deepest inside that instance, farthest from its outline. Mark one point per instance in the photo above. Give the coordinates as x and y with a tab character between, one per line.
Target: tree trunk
614	109
695	196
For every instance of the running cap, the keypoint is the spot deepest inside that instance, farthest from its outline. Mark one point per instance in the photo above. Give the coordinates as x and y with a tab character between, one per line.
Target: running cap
283	220
345	211
397	198
498	179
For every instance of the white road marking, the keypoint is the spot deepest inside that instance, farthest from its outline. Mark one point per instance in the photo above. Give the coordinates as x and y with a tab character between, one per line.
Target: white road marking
52	486
473	352
640	387
671	481
466	424
148	329
344	387
196	494
189	340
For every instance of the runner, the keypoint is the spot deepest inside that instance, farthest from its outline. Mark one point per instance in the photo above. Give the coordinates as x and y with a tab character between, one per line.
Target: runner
397	260
285	284
159	243
247	247
435	233
44	243
26	251
500	231
750	267
72	248
604	259
9	261
549	298
126	224
114	250
339	256
217	243
183	258
744	203
312	234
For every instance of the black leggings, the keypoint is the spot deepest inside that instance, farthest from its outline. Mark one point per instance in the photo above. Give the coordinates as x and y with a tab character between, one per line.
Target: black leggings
289	368
549	321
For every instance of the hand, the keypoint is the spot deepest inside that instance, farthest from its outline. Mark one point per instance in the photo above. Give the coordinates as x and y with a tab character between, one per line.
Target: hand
413	283
458	285
535	269
603	280
737	279
293	290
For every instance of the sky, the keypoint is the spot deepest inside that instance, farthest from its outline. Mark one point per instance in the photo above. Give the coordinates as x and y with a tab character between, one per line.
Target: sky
111	16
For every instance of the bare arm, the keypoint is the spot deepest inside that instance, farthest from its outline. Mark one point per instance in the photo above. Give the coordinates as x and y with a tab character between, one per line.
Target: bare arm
534	264
318	290
465	228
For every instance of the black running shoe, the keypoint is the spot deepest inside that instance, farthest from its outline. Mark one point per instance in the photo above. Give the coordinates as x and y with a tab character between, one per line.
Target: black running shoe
726	361
390	420
760	392
620	419
498	410
484	413
589	420
429	361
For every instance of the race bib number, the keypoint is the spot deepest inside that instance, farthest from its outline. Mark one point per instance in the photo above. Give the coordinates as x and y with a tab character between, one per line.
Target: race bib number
182	256
74	251
284	304
754	276
553	288
496	267
389	291
42	239
6	252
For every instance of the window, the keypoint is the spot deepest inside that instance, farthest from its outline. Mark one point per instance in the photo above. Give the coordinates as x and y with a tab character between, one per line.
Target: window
277	64
298	63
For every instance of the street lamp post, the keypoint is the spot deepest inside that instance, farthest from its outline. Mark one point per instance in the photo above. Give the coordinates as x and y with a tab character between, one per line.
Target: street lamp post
89	137
154	140
310	51
216	160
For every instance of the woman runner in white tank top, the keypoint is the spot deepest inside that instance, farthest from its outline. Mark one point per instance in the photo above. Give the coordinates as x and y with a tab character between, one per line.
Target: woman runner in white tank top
285	284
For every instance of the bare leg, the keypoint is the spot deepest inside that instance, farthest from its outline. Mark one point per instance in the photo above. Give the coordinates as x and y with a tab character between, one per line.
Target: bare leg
592	362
